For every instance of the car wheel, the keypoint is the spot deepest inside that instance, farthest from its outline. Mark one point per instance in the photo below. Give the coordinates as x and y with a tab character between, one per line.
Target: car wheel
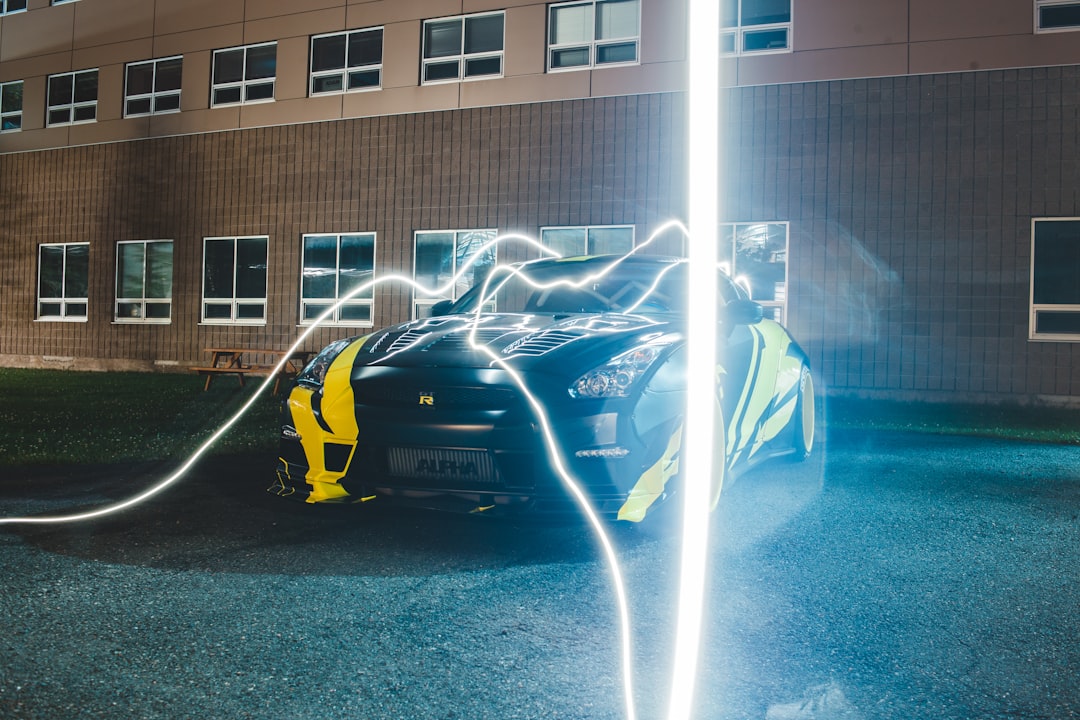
804	416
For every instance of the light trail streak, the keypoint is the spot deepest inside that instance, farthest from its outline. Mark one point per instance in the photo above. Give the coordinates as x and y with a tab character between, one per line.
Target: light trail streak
703	135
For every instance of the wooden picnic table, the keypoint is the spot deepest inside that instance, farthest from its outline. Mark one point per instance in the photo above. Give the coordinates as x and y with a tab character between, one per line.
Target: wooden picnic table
242	362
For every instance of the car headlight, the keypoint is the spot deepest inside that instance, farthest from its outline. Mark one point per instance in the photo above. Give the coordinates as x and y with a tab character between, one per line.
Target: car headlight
315	371
616	377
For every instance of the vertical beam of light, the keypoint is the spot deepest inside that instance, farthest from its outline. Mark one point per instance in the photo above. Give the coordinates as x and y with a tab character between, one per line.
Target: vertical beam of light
703	59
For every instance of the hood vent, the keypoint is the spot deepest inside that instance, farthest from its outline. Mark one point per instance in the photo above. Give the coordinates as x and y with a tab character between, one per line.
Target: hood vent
541	343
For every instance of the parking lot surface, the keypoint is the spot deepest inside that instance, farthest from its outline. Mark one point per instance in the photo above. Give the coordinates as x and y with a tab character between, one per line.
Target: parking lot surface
891	576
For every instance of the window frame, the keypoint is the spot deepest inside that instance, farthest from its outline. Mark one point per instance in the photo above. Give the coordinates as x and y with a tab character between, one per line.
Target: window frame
366	299
154	95
588	229
142	318
63	300
419	304
591	45
778	304
4	115
73	106
234	302
1033	308
5	4
346	70
462	58
738	33
1041	4
243	84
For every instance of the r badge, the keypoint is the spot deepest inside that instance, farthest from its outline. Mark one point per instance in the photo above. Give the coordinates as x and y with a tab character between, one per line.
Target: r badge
427	399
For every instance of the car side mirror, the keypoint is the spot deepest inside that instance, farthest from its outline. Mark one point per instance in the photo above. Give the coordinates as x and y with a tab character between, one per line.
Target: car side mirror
441	308
743	312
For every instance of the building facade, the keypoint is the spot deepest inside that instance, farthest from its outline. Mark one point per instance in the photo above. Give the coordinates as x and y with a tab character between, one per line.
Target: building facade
900	176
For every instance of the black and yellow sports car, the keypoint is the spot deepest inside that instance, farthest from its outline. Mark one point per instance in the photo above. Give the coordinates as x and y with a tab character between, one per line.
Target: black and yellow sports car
585	357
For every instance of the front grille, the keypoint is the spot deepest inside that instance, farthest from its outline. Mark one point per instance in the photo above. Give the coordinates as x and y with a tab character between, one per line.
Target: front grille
480	398
442	467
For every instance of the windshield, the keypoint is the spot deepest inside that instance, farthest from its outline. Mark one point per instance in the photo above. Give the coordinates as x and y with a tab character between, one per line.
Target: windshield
584	287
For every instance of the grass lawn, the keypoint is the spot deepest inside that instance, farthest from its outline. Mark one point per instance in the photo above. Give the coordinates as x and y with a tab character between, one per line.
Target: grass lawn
62	417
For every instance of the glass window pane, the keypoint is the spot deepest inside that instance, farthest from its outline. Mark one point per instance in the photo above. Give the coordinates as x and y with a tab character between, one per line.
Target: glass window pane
573	57
314	310
442	39
623	52
441	71
137	107
168	76
357	264
11	99
356	313
1057	323
86	112
573	24
75	309
129	270
568	242
365	48
159	259
165	103
363	79
51	271
434	261
251	268
227	96
729	13
472	245
261	91
484	34
158	310
327	83
320	267
616	19
214	311
1056	272
77	272
57	117
765	40
12	122
129	310
228	66
483	66
261	62
140	79
761	256
328	53
218	269
60	89
250	311
765	12
86	87
1059	16
609	241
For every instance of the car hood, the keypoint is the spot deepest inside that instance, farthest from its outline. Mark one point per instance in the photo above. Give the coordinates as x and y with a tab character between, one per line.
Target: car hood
523	340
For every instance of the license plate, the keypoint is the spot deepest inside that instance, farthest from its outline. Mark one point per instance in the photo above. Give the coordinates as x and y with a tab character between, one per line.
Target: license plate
441	465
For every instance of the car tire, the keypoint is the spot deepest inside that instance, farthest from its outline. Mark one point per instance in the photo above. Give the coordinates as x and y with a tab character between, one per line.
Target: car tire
803	422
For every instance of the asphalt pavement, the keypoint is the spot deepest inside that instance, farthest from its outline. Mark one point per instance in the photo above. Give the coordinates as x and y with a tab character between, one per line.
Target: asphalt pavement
891	576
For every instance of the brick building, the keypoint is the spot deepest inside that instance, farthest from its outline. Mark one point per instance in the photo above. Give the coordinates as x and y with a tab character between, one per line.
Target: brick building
901	176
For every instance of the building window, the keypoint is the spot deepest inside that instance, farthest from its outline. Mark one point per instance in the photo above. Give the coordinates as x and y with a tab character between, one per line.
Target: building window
8	7
144	281
11	106
244	75
463	47
1055	279
63	281
63	2
72	98
755	26
1055	16
234	280
333	267
441	256
594	240
755	255
346	61
589	34
152	87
